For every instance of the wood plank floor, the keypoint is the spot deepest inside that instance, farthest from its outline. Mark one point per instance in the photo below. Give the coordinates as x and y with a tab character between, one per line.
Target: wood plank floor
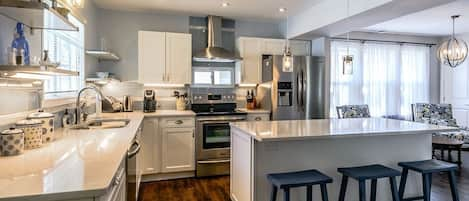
217	188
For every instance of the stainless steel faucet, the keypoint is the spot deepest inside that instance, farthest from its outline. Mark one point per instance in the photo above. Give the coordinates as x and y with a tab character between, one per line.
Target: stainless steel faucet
99	97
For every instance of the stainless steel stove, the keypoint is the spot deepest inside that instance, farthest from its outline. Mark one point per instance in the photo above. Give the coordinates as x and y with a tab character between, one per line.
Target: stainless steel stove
214	112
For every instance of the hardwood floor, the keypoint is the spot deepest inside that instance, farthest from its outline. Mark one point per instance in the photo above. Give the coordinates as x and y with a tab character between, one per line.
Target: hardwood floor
217	188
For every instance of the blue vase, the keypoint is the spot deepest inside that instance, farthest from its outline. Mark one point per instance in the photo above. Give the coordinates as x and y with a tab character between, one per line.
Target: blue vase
20	42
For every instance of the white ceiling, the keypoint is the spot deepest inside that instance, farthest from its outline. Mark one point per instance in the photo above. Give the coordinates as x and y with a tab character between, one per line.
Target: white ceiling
238	9
431	22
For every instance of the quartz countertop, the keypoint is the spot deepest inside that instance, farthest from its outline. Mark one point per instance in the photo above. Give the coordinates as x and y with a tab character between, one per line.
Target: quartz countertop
255	111
332	128
81	163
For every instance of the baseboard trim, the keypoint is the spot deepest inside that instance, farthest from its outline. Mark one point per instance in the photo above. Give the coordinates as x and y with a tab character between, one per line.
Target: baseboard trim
167	176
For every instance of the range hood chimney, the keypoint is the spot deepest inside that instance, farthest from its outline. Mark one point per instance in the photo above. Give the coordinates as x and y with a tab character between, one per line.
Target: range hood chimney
214	51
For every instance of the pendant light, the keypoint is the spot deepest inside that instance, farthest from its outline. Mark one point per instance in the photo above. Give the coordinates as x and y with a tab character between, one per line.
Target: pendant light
287	63
453	52
347	60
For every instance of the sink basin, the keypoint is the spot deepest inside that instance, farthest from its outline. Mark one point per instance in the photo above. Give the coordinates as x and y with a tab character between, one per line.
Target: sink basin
103	124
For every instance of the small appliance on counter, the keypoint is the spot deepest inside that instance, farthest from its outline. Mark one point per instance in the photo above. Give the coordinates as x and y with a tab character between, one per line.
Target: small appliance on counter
11	142
127	104
47	124
149	101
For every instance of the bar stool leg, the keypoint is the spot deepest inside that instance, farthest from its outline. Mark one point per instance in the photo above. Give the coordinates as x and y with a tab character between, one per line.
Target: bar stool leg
426	187
343	188
362	190
309	193
273	193
324	192
286	194
454	188
394	191
373	190
402	183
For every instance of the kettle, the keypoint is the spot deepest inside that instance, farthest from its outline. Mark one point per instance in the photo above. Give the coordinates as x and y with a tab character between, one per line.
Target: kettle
127	104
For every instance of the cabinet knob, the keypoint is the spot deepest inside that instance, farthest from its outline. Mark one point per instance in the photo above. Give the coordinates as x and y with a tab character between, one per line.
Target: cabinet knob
258	118
179	122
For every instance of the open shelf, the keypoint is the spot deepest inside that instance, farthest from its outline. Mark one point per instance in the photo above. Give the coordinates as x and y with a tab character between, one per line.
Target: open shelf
39	70
31	14
103	55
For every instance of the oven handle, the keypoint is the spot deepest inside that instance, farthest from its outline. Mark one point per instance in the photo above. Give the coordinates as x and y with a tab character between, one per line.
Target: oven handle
214	161
223	120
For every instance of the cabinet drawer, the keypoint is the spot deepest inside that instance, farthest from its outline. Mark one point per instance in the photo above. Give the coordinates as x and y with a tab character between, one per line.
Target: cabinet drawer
177	122
258	117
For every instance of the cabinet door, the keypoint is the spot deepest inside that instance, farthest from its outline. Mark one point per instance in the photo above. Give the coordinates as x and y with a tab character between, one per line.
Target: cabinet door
178	58
249	69
300	48
150	147
274	46
151	57
178	149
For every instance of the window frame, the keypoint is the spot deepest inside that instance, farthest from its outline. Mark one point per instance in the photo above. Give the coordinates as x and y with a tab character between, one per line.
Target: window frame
212	70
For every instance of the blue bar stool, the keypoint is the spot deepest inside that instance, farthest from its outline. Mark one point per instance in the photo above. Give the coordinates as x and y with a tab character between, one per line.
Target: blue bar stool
370	172
427	168
307	178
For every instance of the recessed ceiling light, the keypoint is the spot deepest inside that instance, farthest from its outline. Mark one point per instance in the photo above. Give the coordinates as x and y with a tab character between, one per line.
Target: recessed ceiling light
282	10
225	4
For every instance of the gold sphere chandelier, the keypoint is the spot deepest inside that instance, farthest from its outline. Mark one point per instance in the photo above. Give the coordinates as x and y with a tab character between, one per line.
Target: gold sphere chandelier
453	52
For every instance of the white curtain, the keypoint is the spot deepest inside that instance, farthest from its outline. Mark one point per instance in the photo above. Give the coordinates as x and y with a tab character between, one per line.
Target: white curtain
387	77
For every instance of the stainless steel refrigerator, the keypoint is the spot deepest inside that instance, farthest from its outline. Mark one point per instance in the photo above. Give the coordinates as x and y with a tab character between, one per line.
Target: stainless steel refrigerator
293	95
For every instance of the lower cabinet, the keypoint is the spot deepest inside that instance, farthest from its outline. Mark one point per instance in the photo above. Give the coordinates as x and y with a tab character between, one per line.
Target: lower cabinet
168	145
258	117
178	150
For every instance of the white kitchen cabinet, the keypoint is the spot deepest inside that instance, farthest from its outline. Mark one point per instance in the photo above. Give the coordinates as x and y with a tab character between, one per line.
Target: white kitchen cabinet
249	69
151	146
178	58
178	150
151	57
164	58
258	117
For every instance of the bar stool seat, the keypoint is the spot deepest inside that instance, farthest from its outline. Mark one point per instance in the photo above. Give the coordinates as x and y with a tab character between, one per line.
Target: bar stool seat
297	179
369	172
306	178
427	168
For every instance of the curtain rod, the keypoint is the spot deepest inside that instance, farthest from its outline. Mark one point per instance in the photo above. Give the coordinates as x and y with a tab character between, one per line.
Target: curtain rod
383	41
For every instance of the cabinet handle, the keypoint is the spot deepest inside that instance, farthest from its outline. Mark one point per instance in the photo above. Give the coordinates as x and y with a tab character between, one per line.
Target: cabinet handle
164	77
168	78
258	118
179	122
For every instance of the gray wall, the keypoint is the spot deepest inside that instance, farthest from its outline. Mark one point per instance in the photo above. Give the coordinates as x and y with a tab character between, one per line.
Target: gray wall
120	31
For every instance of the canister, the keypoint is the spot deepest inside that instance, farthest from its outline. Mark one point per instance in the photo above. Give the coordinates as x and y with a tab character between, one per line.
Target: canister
32	133
47	126
11	142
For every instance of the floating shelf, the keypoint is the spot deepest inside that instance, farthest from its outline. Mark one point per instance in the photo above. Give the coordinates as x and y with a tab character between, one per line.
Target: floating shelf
31	14
103	55
8	70
101	81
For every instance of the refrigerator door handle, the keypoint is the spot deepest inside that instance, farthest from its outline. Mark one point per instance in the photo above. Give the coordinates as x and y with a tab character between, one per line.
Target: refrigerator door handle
301	89
297	89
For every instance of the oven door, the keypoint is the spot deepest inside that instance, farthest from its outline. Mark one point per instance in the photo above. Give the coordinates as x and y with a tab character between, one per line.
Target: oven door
213	137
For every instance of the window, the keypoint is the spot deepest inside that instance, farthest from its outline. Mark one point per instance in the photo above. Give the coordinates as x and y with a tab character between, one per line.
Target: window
388	77
213	76
67	48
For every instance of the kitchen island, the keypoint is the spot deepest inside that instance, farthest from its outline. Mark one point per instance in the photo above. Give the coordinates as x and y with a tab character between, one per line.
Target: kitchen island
259	148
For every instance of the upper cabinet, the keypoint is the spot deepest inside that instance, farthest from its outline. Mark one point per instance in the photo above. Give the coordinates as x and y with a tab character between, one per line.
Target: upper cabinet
248	71
164	58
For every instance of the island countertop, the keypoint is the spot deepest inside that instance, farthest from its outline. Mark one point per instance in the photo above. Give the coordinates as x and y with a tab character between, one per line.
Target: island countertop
332	128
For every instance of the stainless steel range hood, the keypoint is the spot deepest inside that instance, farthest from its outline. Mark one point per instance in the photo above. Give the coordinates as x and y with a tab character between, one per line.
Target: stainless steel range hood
214	51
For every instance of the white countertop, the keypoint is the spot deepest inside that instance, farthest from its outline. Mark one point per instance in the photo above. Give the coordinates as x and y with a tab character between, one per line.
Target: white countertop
332	128
255	111
168	113
80	163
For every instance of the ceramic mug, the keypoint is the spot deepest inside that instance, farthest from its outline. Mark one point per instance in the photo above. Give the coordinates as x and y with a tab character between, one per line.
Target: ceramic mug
11	142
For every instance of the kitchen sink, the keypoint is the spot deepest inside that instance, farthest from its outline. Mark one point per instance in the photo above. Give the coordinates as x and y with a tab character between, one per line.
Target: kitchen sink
102	124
